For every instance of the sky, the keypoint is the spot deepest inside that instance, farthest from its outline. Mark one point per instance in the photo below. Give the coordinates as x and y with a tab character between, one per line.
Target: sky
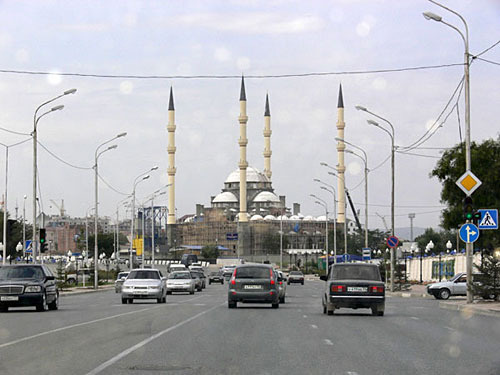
231	38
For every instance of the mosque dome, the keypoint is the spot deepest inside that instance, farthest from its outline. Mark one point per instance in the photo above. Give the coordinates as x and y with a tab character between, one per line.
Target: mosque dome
253	175
266	196
269	217
308	218
256	218
225	197
294	217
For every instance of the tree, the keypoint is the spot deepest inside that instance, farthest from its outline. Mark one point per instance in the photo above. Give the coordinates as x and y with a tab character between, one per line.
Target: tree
210	252
105	243
486	166
438	238
14	234
487	284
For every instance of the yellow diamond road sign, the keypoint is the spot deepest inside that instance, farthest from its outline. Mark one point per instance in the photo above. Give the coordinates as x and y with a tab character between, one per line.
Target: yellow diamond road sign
468	182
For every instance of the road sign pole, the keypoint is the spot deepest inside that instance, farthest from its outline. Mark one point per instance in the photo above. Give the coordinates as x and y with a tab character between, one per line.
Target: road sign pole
468	255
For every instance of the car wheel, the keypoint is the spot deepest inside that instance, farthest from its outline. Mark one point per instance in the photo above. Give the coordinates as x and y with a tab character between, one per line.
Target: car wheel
490	296
130	300
275	305
191	292
302	283
444	294
288	283
436	296
124	301
159	300
377	312
324	309
54	305
165	299
70	281
209	283
282	299
168	292
42	306
222	282
4	308
231	305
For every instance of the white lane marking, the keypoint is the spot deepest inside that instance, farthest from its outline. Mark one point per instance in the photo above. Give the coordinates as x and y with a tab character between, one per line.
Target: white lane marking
352	373
328	342
414	318
305	316
199	304
126	352
449	328
85	323
314	326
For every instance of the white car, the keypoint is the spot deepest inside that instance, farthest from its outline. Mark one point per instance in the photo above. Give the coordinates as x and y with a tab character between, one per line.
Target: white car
180	281
177	267
144	284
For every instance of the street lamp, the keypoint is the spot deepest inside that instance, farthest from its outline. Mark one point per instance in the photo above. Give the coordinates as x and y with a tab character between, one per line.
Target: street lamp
323	203
34	135
97	154
467	60
429	247
143	176
332	191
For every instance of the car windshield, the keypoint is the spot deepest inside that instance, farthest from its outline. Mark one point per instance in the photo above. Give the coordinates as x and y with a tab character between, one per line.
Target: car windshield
143	274
214	273
355	272
122	274
195	275
21	273
179	275
252	273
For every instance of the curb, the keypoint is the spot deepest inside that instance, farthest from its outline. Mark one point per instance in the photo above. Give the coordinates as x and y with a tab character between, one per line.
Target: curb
469	309
408	295
84	291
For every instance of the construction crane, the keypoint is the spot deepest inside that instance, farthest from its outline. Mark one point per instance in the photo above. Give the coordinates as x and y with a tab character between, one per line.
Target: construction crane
353	209
383	219
62	211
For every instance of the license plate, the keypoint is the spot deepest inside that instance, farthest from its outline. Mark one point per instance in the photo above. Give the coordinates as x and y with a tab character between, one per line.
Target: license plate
9	298
252	287
357	289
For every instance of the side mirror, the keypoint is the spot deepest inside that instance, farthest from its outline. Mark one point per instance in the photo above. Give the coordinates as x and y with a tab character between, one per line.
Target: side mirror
48	278
323	277
123	278
163	278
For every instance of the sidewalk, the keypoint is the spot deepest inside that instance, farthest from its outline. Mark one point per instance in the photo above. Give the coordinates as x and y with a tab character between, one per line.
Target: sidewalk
81	290
419	291
480	306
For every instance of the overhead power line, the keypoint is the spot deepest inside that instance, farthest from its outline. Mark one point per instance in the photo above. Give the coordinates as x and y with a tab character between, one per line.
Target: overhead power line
214	76
62	160
486	50
488	61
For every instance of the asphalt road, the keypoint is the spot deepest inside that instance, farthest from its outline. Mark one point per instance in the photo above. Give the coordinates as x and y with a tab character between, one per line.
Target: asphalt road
197	334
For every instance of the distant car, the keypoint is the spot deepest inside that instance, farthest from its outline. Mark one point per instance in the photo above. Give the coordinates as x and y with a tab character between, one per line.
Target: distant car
180	281
188	259
295	277
215	277
196	268
197	279
227	271
354	285
71	278
177	267
144	284
253	283
119	281
282	286
28	285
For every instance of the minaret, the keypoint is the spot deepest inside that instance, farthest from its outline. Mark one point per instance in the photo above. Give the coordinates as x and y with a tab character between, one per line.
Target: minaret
243	164
267	140
340	156
171	160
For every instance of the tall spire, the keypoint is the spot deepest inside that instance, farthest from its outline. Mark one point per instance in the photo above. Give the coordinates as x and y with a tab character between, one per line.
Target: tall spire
267	140
243	96
267	111
171	101
341	99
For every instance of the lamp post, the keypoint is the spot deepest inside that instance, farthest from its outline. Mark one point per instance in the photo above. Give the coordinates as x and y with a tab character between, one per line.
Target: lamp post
97	154
429	247
19	247
332	191
467	60
365	161
323	203
24	225
34	135
5	203
143	176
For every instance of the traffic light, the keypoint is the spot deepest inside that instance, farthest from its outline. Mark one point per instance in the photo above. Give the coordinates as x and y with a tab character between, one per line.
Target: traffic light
468	209
43	240
476	217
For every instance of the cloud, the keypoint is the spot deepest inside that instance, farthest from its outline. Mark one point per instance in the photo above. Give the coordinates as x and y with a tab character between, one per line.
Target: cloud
222	54
252	23
243	63
83	27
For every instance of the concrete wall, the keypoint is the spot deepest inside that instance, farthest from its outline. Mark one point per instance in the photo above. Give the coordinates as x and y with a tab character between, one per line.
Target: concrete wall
413	266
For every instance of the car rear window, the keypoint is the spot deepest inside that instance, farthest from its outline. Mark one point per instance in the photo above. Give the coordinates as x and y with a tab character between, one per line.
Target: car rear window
355	272
143	274
252	273
179	275
296	273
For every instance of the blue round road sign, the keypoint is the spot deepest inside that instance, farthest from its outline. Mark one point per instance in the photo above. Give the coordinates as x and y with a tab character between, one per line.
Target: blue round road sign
469	233
392	241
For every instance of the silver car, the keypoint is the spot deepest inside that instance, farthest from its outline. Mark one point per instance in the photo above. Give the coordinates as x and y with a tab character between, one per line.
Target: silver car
180	281
120	279
282	286
144	284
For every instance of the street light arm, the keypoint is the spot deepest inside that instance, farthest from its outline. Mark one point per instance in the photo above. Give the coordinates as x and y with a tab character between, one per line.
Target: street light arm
381	127
353	145
383	119
105	143
67	92
459	16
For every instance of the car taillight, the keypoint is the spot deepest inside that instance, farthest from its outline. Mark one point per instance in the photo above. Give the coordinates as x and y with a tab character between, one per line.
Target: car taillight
233	282
337	288
281	282
377	289
271	274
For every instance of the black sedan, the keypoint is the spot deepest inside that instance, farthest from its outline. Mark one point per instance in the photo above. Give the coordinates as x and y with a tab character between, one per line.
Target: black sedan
215	277
354	285
28	285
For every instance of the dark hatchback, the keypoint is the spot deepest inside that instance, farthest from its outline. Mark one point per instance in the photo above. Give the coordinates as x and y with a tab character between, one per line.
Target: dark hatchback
28	285
253	284
354	286
215	277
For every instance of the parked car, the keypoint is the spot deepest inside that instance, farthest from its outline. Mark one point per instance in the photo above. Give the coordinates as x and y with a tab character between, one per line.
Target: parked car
119	281
144	284
354	285
198	281
253	283
282	286
180	281
71	278
295	277
28	285
215	277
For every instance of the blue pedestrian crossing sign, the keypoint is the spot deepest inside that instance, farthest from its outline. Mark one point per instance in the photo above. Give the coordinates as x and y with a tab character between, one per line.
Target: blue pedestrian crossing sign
469	233
489	219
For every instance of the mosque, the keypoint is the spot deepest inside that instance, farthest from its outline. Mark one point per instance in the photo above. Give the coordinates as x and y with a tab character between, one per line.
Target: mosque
246	218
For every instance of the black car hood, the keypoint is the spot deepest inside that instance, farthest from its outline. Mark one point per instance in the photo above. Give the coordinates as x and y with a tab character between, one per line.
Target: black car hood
20	281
